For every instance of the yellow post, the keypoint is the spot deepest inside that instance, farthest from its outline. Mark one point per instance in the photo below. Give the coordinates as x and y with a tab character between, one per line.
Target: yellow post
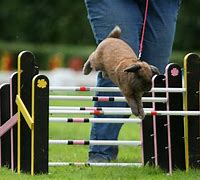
18	124
32	151
29	120
33	130
185	103
24	111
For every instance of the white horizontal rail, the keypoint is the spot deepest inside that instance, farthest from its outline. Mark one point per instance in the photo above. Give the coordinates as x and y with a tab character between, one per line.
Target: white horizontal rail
95	120
96	142
101	112
91	112
110	89
169	90
94	108
173	113
105	99
93	164
83	88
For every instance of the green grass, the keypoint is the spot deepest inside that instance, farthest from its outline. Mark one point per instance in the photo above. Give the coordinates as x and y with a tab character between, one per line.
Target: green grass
79	154
103	173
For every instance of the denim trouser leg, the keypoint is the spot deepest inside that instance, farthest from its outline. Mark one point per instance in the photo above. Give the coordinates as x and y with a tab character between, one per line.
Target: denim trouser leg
159	34
160	31
107	131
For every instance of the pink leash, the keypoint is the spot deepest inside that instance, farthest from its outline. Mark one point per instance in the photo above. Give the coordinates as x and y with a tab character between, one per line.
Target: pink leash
143	30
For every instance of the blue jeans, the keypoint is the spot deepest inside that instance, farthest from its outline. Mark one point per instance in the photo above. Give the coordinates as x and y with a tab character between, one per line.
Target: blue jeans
158	40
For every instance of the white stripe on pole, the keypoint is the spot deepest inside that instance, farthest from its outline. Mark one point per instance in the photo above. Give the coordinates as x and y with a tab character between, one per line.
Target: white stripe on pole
92	112
117	99
174	113
170	90
94	89
97	112
94	108
97	142
112	89
93	164
97	120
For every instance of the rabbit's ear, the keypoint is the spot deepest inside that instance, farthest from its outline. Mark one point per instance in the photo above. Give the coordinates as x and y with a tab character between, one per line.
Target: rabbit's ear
134	68
154	70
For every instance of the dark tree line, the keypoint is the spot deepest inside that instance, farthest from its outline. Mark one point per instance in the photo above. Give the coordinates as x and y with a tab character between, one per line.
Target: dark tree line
65	22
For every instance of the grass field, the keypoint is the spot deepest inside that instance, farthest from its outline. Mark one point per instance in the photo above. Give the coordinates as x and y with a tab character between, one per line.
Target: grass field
79	154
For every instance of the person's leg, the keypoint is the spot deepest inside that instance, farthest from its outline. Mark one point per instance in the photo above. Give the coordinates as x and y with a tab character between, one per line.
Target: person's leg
160	30
103	16
105	131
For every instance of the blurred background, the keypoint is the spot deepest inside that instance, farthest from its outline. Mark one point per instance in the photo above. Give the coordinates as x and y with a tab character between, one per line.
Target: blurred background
59	34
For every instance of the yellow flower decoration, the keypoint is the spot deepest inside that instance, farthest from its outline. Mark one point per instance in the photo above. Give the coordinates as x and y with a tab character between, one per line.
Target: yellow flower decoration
41	83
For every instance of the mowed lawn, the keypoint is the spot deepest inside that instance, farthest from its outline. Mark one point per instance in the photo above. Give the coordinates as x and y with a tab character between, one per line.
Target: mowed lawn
81	131
78	153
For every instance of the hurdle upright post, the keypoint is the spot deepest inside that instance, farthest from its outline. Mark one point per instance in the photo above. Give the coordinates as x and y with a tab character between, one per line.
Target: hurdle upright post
27	69
175	124
5	143
8	121
40	116
147	136
160	128
13	112
192	102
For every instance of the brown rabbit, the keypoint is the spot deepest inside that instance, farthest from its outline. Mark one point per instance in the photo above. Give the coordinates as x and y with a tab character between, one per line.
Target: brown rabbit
118	62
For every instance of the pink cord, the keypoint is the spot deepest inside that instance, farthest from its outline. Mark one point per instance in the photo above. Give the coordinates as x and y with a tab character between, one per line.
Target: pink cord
143	30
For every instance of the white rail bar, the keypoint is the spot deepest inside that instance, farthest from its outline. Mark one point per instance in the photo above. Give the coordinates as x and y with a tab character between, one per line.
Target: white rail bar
100	112
96	142
95	120
91	112
83	88
110	89
173	113
105	99
94	108
93	164
170	90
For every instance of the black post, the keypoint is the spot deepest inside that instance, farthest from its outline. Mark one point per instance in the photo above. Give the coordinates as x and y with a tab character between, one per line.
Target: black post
176	123
4	117
41	123
28	70
13	111
148	137
192	83
161	126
